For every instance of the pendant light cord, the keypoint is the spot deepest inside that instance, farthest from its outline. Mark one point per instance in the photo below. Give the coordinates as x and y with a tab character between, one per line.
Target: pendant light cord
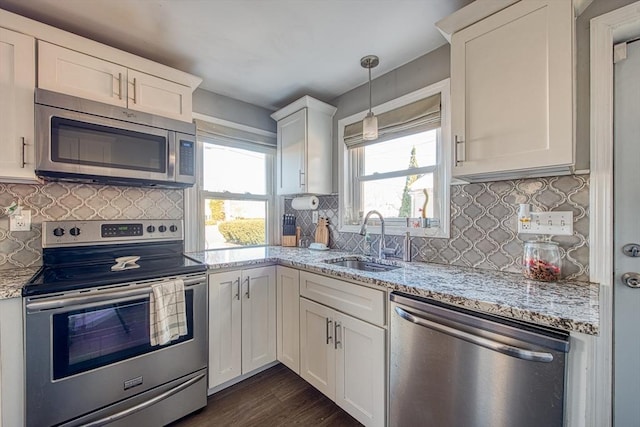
369	90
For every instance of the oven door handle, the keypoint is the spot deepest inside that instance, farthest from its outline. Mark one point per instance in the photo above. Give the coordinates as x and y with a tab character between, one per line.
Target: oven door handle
102	296
144	405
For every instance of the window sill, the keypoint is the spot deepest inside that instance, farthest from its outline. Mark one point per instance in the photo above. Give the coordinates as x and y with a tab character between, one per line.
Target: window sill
432	233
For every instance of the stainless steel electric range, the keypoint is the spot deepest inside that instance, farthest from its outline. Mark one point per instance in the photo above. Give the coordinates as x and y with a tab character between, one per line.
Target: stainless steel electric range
89	358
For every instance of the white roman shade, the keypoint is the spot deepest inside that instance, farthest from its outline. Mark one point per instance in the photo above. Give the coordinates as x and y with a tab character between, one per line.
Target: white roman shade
230	134
419	116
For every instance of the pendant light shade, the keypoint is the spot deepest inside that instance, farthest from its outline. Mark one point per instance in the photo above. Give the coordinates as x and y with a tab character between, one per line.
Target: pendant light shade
370	127
370	122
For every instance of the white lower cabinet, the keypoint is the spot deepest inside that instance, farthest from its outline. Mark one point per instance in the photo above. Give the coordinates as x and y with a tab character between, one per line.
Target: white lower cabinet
242	322
288	317
11	363
344	358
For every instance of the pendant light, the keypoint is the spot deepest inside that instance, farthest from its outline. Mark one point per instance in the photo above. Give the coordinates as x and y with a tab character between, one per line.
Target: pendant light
370	122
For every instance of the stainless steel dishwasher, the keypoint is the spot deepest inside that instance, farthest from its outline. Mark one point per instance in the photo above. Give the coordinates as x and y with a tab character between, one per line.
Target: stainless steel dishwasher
454	367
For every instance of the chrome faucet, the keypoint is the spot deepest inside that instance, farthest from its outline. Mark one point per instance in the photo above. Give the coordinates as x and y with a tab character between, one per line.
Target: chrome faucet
363	231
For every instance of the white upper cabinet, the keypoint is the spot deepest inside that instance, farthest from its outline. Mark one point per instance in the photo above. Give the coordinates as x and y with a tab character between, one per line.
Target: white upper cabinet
304	147
75	73
17	83
158	96
512	95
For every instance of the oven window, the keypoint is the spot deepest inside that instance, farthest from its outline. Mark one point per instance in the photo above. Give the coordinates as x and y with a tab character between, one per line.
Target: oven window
98	336
94	145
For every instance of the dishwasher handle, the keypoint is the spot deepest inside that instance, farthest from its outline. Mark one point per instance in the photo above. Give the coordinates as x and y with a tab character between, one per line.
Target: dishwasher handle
509	350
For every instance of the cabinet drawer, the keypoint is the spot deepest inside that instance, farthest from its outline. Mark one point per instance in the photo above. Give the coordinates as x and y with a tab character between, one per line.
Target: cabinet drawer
358	301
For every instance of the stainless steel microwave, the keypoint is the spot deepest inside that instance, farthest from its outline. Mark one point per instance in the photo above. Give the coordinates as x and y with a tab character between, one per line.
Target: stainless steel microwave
86	141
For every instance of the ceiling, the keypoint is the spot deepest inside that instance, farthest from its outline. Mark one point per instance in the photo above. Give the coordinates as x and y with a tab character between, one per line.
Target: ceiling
265	52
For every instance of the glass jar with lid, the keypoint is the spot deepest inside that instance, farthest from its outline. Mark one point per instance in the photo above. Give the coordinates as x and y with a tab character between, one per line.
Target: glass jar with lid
542	260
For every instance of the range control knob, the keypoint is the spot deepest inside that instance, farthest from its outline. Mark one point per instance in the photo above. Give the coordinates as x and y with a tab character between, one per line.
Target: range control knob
58	232
75	231
151	229
173	228
162	228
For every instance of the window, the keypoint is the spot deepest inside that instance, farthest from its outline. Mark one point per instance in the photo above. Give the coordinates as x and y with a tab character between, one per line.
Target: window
404	174
236	191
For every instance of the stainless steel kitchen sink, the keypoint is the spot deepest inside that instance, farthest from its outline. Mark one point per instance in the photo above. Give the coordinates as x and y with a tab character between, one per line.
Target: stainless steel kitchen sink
360	264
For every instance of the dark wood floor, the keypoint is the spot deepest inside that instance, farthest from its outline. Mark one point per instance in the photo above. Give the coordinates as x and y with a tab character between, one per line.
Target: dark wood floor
275	397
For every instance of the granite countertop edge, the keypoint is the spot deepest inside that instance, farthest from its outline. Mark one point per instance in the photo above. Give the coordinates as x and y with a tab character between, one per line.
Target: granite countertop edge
568	305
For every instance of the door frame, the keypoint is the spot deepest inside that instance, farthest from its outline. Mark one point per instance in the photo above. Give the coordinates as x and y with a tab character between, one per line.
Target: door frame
606	30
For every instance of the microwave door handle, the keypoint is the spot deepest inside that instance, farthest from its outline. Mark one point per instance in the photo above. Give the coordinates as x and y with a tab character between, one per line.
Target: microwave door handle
172	156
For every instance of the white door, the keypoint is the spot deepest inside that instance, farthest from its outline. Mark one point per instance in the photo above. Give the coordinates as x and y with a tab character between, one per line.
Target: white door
225	359
626	319
258	290
317	355
292	140
158	96
360	369
74	73
17	82
288	309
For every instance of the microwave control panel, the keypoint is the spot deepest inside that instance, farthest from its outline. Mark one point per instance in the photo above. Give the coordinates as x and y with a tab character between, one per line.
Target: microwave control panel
187	158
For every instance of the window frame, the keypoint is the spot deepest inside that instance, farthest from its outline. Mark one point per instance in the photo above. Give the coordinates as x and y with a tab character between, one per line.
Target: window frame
194	216
443	168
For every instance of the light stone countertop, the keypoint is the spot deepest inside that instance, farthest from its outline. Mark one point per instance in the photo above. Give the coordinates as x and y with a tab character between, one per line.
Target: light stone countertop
571	306
12	281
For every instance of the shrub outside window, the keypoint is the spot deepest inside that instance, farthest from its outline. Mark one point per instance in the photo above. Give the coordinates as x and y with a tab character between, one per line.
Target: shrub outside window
236	193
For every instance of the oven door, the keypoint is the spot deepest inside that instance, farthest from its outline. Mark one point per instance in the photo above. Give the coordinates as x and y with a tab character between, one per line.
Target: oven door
89	350
77	145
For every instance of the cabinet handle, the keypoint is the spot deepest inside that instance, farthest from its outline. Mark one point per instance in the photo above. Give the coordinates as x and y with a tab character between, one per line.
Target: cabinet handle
337	341
119	85
300	175
134	90
328	331
248	293
24	145
459	151
237	295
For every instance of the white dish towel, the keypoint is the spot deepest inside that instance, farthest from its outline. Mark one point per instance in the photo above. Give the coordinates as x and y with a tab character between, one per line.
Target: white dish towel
167	312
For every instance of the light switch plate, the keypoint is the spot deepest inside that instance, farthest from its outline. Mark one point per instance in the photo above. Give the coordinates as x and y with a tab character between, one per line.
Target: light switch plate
555	223
20	222
314	217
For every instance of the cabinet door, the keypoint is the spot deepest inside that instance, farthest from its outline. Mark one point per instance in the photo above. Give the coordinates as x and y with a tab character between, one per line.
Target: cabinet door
158	96
17	82
292	140
288	311
360	369
258	317
224	327
511	84
12	362
317	355
74	73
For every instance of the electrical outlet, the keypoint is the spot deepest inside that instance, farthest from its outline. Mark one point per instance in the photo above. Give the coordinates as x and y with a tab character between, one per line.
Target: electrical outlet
20	222
314	217
556	223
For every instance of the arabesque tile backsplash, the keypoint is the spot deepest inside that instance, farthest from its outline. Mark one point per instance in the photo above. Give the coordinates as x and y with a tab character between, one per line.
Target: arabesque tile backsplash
483	219
65	201
484	224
